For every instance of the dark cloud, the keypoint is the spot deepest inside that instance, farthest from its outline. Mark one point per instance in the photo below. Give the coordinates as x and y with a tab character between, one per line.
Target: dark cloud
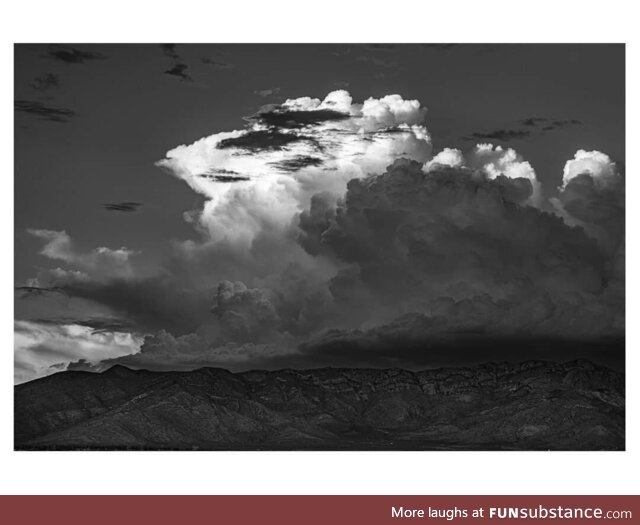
462	250
72	55
178	71
45	82
261	140
408	342
533	121
561	124
215	64
122	206
298	163
297	119
503	135
149	304
170	51
224	175
588	203
98	324
227	178
547	124
44	112
26	292
222	171
533	125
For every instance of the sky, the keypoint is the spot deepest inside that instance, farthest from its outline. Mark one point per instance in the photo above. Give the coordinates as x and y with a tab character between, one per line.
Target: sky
346	205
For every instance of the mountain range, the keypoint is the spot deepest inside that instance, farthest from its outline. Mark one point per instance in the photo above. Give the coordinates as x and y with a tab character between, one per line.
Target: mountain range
533	405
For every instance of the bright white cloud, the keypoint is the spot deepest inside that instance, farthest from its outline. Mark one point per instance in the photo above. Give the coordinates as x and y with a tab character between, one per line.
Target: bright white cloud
261	177
496	161
41	347
596	164
448	157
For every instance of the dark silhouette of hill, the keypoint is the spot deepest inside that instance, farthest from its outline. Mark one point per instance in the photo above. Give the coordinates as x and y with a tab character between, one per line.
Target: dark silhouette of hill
533	405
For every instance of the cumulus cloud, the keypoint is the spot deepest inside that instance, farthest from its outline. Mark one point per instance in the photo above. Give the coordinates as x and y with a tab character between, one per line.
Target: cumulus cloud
497	161
104	261
592	196
597	165
452	158
329	233
493	163
411	237
290	151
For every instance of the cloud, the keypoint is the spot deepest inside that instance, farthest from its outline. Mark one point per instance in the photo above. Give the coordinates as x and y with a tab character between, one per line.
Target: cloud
452	158
497	161
148	303
164	351
39	345
170	51
544	124
262	140
267	92
423	267
122	206
598	166
45	82
244	314
493	163
97	324
463	253
561	124
44	112
328	233
72	55
28	291
178	70
290	151
215	64
504	135
103	261
297	118
592	196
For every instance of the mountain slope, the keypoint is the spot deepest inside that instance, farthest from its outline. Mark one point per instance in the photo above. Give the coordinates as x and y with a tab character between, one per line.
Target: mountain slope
528	406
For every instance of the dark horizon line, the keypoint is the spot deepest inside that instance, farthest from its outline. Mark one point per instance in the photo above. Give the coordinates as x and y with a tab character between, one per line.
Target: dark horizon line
539	362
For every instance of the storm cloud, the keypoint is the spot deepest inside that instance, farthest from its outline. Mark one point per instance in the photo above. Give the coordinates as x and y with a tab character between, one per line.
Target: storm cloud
329	232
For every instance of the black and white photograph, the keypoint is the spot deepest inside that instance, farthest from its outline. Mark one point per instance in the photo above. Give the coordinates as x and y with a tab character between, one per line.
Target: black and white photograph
319	247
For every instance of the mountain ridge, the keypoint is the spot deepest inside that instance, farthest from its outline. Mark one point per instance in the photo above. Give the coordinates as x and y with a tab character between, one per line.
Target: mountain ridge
532	405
